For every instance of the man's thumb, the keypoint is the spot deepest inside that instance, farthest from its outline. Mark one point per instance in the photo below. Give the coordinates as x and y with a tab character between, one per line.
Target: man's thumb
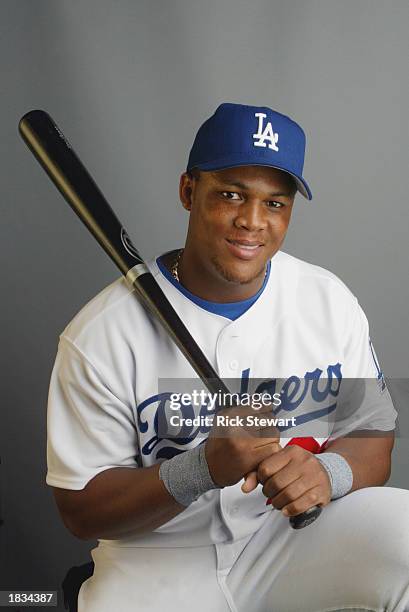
250	482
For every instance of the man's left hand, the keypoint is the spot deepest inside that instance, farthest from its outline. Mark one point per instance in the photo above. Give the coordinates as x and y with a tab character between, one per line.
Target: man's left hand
293	479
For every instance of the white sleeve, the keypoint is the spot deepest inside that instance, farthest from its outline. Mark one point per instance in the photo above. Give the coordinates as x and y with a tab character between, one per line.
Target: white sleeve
365	402
89	428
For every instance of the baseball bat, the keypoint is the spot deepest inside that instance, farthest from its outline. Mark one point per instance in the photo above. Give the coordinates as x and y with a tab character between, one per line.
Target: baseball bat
50	147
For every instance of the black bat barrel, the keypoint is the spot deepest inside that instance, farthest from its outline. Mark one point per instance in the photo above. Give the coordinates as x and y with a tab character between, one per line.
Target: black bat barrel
57	157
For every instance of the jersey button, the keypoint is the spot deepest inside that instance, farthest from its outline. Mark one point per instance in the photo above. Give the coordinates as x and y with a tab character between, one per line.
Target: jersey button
234	364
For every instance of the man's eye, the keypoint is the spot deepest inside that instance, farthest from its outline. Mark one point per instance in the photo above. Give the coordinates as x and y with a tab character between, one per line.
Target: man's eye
230	195
274	204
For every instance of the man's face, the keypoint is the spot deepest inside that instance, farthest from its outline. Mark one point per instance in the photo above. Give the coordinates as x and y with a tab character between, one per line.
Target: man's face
238	221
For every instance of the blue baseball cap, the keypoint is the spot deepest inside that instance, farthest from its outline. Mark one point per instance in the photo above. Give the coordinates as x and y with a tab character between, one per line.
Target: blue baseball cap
241	135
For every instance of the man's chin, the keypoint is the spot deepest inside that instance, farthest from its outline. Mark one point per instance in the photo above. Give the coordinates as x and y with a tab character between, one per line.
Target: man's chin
237	276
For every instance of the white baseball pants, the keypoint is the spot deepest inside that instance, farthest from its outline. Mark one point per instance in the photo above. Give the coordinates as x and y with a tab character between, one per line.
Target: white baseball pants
354	557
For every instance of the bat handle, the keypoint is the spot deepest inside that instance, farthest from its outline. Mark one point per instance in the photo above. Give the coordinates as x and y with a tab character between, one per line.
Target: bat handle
305	518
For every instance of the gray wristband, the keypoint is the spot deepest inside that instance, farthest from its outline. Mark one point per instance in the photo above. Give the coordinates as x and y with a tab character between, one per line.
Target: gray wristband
339	472
186	476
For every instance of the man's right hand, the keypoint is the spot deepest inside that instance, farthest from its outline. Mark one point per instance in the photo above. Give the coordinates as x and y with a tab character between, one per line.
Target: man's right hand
233	451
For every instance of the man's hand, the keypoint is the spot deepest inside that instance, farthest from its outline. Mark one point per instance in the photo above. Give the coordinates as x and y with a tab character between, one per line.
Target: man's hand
293	479
234	451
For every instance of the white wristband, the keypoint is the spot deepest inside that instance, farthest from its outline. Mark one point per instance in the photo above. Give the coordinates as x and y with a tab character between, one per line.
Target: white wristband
339	472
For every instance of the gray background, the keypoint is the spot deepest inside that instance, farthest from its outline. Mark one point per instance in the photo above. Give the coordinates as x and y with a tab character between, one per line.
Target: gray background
129	83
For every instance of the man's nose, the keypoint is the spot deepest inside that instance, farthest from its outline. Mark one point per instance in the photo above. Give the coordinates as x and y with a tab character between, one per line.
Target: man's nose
251	215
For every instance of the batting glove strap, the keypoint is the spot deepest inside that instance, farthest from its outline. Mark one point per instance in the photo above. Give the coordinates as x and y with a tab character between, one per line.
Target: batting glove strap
186	476
339	472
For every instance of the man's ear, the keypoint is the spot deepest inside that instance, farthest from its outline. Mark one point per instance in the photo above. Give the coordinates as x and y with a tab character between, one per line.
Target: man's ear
185	190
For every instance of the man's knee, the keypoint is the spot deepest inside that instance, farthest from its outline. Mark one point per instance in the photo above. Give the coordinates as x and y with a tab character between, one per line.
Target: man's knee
378	519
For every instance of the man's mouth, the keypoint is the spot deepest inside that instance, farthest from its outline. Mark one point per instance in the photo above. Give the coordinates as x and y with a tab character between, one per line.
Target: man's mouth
244	249
243	245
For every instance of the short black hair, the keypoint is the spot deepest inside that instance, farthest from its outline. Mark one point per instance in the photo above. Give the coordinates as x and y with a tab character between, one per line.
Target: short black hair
193	173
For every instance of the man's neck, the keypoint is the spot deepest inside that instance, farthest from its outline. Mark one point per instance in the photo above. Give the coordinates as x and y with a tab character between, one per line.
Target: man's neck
216	290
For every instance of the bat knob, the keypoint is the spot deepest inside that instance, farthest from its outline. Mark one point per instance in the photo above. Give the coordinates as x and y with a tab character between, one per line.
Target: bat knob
305	518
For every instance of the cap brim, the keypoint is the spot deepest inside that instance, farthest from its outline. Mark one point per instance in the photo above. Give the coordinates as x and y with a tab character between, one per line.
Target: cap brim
302	186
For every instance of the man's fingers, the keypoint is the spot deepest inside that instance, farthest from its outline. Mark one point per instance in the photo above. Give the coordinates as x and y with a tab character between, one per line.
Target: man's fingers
264	450
275	477
251	479
285	496
250	482
312	497
273	461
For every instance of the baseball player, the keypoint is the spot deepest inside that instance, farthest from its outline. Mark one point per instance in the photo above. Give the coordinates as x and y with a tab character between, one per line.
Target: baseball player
179	510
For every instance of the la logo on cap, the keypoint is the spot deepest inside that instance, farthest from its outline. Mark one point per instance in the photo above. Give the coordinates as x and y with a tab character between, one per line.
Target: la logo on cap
266	134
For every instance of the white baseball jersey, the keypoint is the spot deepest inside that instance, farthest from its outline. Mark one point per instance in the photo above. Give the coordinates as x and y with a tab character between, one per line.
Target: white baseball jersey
306	329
